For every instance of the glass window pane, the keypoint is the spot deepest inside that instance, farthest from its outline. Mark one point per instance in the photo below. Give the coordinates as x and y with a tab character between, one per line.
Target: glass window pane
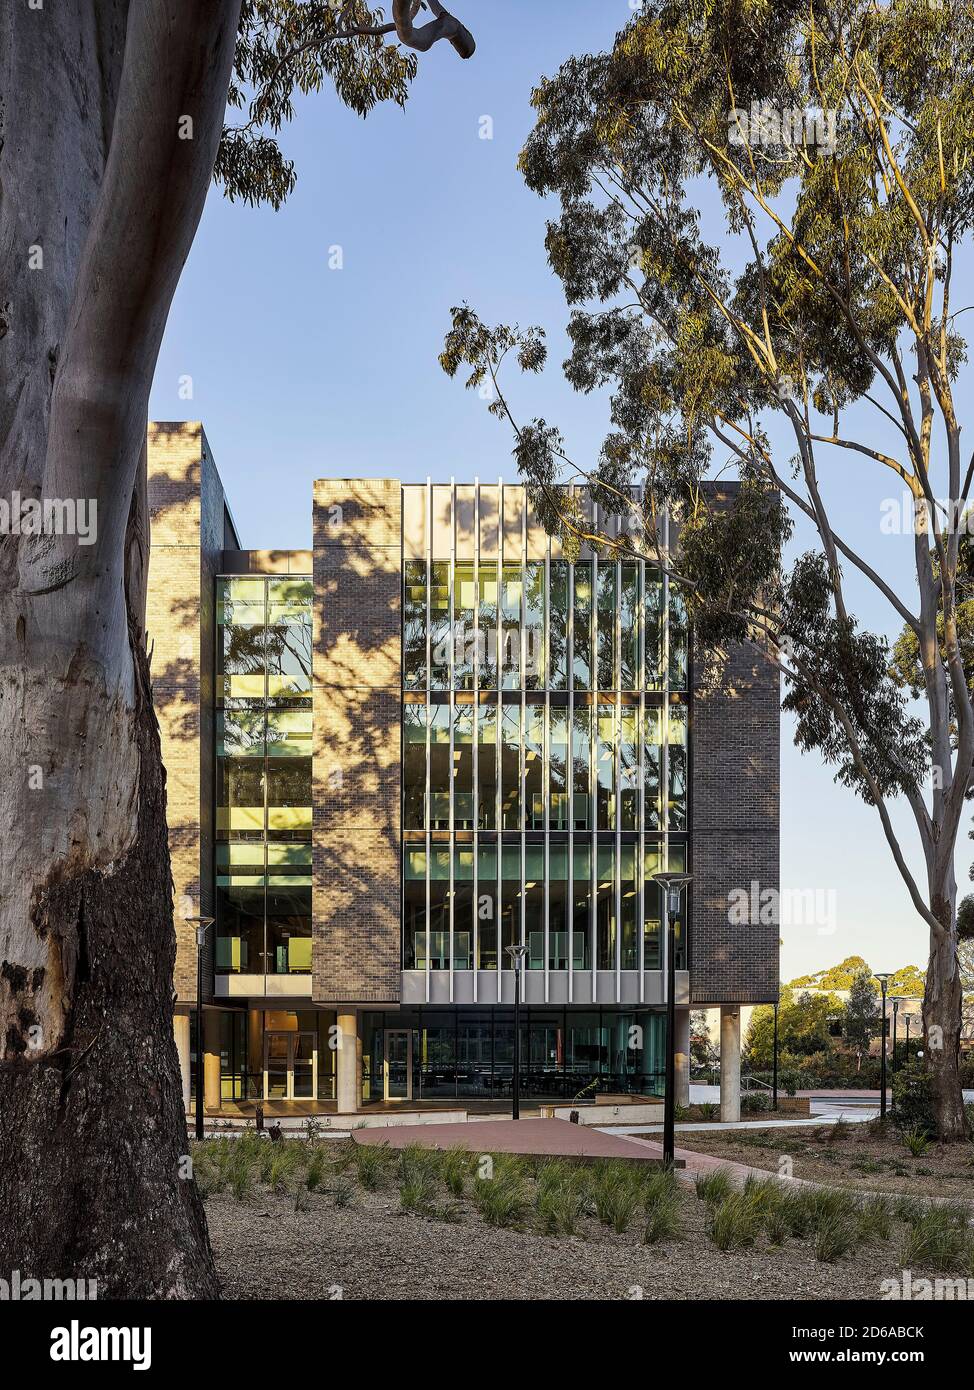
487	907
462	907
654	630
439	923
629	768
463	768
629	625
558	909
605	767
414	767
510	899
581	766
534	905
464	598
487	767
487	630
414	909
677	765
652	906
534	643
679	640
511	767
558	768
652	763
630	904
534	788
607	626
581	906
605	908
510	660
414	625
440	631
582	637
440	772
558	627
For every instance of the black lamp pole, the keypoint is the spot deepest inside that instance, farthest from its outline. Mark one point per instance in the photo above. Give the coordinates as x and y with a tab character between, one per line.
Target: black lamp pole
774	1062
517	954
672	885
882	978
201	924
896	1008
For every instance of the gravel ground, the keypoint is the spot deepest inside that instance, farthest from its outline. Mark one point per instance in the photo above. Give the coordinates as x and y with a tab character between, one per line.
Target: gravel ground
373	1250
857	1158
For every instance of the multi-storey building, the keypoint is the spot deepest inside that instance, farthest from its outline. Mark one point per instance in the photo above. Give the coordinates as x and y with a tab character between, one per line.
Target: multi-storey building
429	739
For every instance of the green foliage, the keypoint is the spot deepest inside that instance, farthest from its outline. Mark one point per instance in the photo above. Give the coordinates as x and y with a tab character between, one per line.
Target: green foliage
913	1099
615	1194
504	1199
917	1141
714	1187
861	1016
938	1239
373	1164
875	1218
735	1222
803	1027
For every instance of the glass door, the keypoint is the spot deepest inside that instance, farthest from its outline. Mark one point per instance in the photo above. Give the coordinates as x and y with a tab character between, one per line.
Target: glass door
277	1047
304	1059
290	1066
398	1064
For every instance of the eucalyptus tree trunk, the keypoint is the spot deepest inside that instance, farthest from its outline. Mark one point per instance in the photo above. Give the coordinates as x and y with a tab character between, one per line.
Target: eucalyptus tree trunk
111	116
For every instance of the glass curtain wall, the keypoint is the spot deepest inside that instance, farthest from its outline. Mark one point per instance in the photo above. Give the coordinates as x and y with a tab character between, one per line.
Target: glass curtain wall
263	776
545	724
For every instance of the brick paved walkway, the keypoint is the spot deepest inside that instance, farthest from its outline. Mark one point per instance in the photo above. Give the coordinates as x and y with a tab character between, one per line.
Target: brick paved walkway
554	1138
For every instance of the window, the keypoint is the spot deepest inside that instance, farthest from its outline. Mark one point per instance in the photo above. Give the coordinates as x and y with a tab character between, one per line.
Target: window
487	625
582	643
558	768
652	762
511	767
487	907
487	767
653	609
679	640
440	769
581	767
581	906
438	940
414	625
414	767
534	630
534	785
414	909
629	903
605	767
510	899
607	627
558	906
462	907
605	907
464	594
652	906
677	765
534	905
558	627
629	768
510	654
463	767
629	627
441	636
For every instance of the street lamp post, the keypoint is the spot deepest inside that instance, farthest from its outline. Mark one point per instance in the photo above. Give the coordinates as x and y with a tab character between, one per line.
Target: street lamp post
201	924
517	954
896	1008
673	885
882	977
774	1062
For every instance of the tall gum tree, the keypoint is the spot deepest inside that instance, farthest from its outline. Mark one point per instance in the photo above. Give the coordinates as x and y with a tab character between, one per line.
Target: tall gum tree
763	209
112	128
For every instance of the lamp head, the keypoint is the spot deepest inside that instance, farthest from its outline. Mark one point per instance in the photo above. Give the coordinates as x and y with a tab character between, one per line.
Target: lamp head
673	884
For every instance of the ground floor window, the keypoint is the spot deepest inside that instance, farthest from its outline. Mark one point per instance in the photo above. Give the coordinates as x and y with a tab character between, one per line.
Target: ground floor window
468	1054
276	1054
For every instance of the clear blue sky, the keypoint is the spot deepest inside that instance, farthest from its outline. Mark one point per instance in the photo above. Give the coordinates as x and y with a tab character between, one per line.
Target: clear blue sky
300	371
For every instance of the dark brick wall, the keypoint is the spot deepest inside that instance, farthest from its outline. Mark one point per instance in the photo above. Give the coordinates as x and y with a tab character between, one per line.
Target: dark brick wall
356	775
734	735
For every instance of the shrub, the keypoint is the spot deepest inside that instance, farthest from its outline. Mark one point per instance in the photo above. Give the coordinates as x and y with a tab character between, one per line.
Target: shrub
835	1236
755	1103
455	1167
938	1238
913	1098
735	1222
317	1165
615	1195
240	1171
917	1140
662	1218
560	1203
714	1187
373	1163
344	1192
504	1199
875	1218
709	1109
659	1184
417	1178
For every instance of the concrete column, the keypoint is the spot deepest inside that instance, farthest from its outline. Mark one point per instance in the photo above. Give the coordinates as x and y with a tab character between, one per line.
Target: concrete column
180	1028
349	1067
211	1059
682	1056
255	1052
730	1062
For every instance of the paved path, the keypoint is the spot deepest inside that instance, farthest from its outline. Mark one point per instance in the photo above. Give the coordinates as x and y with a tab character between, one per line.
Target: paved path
554	1138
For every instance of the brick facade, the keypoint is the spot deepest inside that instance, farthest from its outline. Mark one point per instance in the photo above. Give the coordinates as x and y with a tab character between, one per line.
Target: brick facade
188	532
356	771
734	733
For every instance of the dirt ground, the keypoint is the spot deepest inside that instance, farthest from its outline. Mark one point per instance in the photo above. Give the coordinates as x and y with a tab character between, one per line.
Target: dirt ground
849	1155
